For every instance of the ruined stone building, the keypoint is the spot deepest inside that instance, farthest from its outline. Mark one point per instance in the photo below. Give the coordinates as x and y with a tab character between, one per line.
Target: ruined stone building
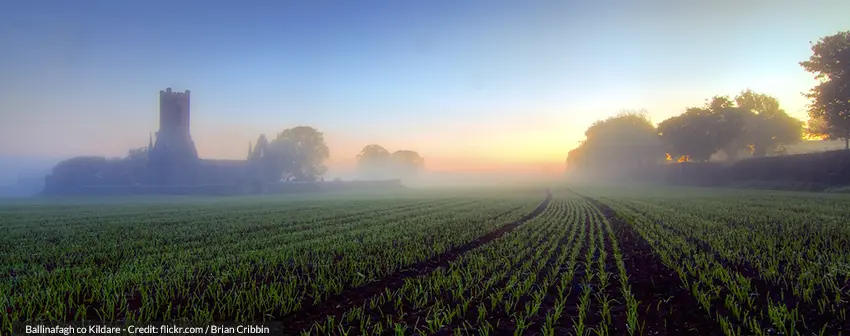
172	166
173	158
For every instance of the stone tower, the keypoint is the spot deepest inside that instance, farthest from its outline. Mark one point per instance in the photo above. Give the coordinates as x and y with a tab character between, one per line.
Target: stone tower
173	159
174	117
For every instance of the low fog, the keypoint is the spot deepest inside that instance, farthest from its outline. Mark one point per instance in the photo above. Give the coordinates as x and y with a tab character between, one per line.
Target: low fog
227	98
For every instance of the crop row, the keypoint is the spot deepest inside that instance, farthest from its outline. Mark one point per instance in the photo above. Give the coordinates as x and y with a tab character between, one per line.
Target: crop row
244	265
731	260
553	275
670	262
104	239
802	251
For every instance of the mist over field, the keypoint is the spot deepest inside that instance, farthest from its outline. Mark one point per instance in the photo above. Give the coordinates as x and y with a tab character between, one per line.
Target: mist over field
480	93
433	167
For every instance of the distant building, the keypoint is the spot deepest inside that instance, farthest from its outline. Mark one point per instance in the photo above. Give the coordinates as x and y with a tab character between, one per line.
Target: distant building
170	161
173	158
171	165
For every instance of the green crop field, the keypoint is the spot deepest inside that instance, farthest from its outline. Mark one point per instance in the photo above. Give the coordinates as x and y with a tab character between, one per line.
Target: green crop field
518	261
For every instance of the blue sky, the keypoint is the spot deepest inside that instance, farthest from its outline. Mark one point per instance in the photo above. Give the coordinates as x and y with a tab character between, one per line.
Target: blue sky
468	84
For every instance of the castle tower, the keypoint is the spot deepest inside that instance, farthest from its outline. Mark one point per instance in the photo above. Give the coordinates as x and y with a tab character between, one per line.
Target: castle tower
174	158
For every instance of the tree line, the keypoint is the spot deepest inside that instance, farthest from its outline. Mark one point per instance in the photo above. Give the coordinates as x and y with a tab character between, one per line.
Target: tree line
298	154
376	162
749	125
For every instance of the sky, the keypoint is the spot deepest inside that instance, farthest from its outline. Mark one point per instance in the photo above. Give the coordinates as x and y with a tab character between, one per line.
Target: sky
472	86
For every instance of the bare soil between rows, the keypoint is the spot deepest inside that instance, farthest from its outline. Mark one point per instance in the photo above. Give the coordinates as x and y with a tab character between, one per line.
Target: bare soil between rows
664	305
828	322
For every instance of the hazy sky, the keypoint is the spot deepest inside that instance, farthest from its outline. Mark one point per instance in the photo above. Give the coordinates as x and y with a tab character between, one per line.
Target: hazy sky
470	85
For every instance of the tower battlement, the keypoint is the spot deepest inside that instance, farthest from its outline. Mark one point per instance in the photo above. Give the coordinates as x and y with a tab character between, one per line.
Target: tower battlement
174	112
169	92
173	155
174	121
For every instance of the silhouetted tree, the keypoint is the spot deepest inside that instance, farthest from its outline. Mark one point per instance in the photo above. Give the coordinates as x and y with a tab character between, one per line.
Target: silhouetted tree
618	145
817	128
694	135
830	100
297	154
719	103
80	170
406	163
768	128
376	162
89	170
139	154
753	123
97	170
373	161
575	158
731	128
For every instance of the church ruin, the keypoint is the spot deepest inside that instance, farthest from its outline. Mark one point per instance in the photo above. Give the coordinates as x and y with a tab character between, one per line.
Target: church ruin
173	159
172	156
171	165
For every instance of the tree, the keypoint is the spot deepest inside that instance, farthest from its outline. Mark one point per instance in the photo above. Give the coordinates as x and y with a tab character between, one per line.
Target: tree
617	146
137	154
376	162
297	154
575	159
816	129
373	161
719	103
769	129
752	123
80	170
830	100
692	135
731	128
406	163
87	170
758	103
702	131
